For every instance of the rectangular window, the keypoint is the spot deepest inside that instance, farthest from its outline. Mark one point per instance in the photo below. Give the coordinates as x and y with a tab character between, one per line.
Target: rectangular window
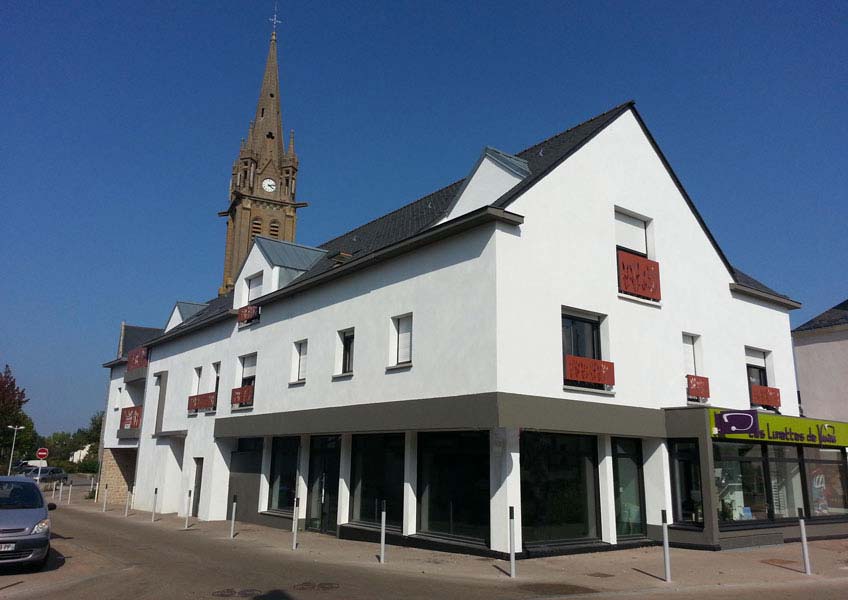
686	491
581	336
254	287
740	481
198	374
217	368
403	339
346	338
248	370
300	351
826	481
377	477
690	364
787	490
631	233
283	479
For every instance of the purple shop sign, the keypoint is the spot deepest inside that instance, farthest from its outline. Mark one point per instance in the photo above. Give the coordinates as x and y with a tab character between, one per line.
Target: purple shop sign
737	421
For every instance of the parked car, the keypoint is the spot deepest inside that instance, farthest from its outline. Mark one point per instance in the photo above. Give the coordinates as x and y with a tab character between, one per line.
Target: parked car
24	523
48	474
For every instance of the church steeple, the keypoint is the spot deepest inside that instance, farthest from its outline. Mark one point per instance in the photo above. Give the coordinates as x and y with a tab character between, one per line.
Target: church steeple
263	184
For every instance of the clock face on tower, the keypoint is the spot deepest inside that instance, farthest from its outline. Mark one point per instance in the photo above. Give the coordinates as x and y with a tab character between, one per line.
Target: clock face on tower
269	185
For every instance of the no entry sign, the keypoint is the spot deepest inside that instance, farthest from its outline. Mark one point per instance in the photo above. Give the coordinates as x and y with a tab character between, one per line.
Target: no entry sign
42	453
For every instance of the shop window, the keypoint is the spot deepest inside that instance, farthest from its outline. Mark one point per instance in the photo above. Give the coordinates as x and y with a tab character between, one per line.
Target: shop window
686	490
785	485
826	481
453	483
559	487
377	477
629	487
283	476
740	482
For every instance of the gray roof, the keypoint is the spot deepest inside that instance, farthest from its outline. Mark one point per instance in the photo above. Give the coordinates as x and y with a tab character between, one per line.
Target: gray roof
511	163
838	315
415	217
187	309
288	254
135	336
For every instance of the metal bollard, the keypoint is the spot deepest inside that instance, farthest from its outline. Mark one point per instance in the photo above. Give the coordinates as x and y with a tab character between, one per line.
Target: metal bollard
105	496
805	551
383	533
91	484
512	542
188	508
127	503
295	515
233	518
666	556
53	495
61	490
96	491
70	491
153	512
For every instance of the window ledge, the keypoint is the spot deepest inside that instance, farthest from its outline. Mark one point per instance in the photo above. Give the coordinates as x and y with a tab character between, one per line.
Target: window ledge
639	300
342	376
298	383
240	408
582	390
400	367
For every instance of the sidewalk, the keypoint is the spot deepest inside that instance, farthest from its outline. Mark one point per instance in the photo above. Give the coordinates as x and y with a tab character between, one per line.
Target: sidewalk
617	572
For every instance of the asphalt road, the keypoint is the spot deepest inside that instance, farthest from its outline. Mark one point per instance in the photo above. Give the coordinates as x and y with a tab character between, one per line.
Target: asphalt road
100	556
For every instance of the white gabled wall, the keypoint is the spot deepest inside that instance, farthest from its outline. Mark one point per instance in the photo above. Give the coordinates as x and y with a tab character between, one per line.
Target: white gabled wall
485	184
565	255
254	264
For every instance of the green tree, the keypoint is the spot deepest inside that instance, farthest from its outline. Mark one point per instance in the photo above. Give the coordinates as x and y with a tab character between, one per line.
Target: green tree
12	401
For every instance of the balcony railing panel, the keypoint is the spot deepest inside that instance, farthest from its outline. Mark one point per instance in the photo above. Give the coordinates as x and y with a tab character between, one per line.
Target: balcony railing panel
202	402
589	370
242	396
697	386
131	417
638	276
762	395
248	314
137	359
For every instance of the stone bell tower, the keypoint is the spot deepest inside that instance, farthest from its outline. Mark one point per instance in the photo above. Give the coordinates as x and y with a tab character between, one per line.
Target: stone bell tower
263	184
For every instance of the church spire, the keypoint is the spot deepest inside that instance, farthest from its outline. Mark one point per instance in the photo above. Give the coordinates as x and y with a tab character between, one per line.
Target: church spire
266	132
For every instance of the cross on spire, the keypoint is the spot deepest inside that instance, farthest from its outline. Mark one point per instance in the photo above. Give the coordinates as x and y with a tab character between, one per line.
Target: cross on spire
274	20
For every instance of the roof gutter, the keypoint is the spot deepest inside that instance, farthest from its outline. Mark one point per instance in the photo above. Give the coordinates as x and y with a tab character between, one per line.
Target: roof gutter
760	295
114	363
481	216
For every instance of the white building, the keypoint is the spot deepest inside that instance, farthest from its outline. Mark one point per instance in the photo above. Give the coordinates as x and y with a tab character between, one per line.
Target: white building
557	333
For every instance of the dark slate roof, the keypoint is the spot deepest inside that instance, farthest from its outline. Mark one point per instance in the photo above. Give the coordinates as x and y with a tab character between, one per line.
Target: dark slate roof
288	254
187	309
135	336
838	315
748	281
213	308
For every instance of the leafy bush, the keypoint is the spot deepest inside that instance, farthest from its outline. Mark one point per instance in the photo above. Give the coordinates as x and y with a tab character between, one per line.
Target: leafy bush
89	466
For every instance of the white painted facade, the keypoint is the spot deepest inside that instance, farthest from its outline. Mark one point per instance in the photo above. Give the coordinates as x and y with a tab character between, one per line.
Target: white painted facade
486	306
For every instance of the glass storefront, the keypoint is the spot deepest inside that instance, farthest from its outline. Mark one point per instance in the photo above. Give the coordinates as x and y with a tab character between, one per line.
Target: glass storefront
283	479
377	476
761	481
826	481
629	487
453	483
686	491
740	482
559	487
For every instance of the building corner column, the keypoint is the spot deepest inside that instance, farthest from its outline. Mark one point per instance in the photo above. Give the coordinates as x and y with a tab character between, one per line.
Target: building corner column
606	490
343	508
657	479
302	476
410	483
504	487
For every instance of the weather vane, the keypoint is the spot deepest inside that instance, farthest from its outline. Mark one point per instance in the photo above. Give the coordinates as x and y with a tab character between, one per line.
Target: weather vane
274	20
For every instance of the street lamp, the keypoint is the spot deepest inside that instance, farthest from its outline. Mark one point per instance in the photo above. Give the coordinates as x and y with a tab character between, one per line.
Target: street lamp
16	429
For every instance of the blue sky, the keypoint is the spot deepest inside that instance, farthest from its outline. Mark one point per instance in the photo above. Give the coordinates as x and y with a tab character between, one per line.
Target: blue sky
119	122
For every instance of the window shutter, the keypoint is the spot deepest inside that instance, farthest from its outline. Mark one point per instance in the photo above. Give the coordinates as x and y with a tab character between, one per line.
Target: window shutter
689	352
254	287
404	341
301	360
755	357
248	366
630	233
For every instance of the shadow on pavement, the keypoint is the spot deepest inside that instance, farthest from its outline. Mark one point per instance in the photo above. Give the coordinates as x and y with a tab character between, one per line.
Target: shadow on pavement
55	560
649	574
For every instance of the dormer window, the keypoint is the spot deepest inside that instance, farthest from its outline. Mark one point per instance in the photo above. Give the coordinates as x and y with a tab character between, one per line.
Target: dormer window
254	287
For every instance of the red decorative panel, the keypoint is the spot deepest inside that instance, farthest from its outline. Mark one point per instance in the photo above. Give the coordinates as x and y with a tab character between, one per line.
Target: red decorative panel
697	387
589	370
131	417
137	359
242	396
765	396
638	276
202	402
248	313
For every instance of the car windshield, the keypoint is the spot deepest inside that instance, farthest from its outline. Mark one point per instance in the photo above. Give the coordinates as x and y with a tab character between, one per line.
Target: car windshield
19	494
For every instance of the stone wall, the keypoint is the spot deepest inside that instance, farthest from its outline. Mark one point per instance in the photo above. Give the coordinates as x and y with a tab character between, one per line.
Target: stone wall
118	473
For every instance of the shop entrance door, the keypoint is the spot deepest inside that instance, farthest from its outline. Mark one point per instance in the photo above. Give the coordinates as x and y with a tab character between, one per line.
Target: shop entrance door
629	487
323	499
